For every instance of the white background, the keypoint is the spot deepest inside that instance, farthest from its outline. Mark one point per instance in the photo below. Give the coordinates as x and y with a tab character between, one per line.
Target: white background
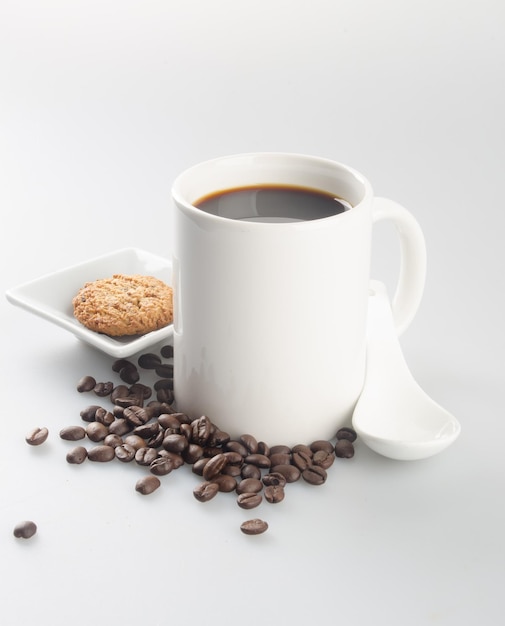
102	104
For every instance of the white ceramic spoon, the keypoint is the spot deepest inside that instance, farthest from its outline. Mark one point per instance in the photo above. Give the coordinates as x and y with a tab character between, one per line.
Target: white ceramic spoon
393	415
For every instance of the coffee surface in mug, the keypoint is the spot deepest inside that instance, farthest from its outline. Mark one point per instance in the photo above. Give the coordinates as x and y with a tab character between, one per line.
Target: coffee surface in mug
272	203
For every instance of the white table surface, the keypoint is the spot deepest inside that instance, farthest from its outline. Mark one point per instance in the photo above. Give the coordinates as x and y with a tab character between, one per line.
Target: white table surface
102	104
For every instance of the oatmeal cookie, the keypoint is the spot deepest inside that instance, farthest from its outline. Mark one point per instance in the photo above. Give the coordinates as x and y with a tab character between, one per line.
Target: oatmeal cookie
124	305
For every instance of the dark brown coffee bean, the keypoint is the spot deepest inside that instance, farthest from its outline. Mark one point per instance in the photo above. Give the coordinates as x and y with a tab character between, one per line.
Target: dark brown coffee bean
140	390
120	391
145	456
205	491
234	458
118	365
103	389
290	472
199	465
136	415
249	500
127	401
96	431
147	430
201	429
215	466
113	440
161	466
25	529
77	455
274	494
37	436
226	483
301	447
302	460
86	383
323	459
149	361
321	444
164	383
101	454
165	395
280	458
250	471
250	443
135	441
167	352
236	446
125	452
347	433
104	417
260	460
72	433
88	414
176	459
164	370
314	475
344	449
175	443
120	426
129	374
219	438
249	485
192	453
274	479
232	470
147	484
254	527
169	420
280	449
263	448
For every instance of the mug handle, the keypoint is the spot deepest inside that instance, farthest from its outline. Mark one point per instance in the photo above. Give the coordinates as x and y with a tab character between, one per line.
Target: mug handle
409	290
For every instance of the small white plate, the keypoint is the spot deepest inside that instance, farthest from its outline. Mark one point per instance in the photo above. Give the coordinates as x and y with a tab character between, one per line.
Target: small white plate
51	296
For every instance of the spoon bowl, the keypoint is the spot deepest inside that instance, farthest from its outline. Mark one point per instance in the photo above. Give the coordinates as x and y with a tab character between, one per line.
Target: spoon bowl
394	416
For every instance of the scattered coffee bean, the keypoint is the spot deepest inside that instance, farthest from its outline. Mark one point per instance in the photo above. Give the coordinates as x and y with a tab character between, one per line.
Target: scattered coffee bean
161	466
321	444
125	453
135	441
72	433
147	484
77	455
250	471
103	389
274	494
250	443
344	449
254	527
37	436
215	466
104	417
113	440
25	529
323	459
302	460
290	472
96	431
274	479
249	485
86	383
205	491
226	483
249	500
101	454
145	456
129	374
314	475
347	433
260	460
88	414
149	361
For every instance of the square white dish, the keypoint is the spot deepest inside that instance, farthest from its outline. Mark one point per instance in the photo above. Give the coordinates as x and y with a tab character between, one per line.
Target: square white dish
50	297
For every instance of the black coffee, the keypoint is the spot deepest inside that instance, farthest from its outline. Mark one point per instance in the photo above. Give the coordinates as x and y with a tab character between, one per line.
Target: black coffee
272	203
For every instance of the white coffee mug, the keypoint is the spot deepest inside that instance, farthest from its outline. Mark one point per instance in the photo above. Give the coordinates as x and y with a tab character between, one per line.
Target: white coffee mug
270	317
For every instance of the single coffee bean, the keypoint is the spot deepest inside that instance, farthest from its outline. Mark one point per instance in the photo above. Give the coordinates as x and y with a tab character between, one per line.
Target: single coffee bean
249	485
103	389
250	443
164	370
215	466
280	449
119	364
113	440
25	529
140	390
201	428
127	401
165	395
263	448
72	433
104	417
77	455
88	414
192	453
250	471
321	444
232	470
314	475
175	442
323	459
101	454
199	465
167	352
136	415
149	361
274	479
301	447
147	430
161	466
234	458
249	500
135	441
254	527
260	460
280	458
129	374
96	431
302	460
347	433
125	452
176	459
156	440
145	456
164	383
219	438
274	494
344	449
226	483
37	436
147	484
290	472
86	383
120	391
205	491
236	446
169	420
120	426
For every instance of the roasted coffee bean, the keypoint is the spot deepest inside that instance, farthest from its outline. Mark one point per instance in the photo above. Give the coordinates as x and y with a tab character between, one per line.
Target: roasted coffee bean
104	417
205	491
219	438
165	395
86	383
125	452
147	430
192	453
175	443
164	370
147	484
274	479
135	441
164	383
344	449
118	411
199	465
263	448
274	494
129	374
290	472
249	500
254	527
120	426
149	361
96	431
156	440
88	414
113	440
140	390
145	456
215	466
167	352
250	471
136	415
236	446
301	460
280	449
120	391
72	433
201	428
314	475
25	529
234	458
280	458
128	401
250	443
161	466
101	454
321	444
301	447
37	436
323	459
347	433
77	455
103	389
226	483
249	485
176	459
260	460
232	470
213	451
169	420
119	364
